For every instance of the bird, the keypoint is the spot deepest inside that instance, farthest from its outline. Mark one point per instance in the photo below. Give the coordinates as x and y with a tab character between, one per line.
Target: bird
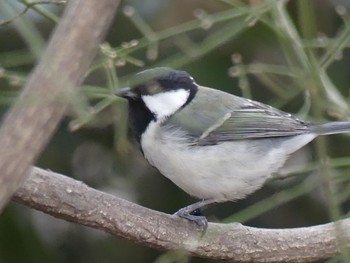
213	145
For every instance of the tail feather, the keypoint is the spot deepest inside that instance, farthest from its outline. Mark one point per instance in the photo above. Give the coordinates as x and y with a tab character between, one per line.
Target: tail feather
332	128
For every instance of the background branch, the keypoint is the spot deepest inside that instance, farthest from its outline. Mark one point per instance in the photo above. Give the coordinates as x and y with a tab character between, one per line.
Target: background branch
202	38
74	201
38	110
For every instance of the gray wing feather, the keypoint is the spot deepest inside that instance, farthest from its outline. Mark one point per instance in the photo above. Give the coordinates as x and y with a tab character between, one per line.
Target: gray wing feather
228	118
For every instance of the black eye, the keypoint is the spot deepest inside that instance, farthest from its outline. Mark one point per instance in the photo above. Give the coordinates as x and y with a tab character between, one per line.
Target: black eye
153	88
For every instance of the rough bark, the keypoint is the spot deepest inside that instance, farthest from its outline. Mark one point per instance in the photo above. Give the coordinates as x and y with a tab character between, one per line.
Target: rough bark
34	117
74	201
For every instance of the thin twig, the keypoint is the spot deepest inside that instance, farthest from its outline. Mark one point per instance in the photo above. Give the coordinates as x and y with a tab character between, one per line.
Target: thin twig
31	5
34	117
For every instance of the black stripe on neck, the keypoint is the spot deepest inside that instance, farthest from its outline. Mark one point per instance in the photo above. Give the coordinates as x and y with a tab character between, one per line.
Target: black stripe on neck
139	117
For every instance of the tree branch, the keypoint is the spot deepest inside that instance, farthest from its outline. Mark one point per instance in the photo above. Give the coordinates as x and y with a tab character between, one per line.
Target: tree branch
74	201
33	119
35	115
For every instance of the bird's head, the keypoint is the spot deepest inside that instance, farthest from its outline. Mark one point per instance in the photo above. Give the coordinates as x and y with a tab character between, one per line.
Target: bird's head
163	91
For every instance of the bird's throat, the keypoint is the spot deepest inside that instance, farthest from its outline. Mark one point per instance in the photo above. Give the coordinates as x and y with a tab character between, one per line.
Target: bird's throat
139	117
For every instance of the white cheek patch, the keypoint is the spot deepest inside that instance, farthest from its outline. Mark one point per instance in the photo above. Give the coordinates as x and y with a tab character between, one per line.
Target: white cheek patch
166	103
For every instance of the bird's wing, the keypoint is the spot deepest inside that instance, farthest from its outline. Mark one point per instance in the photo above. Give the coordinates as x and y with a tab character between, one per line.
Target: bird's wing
231	118
258	121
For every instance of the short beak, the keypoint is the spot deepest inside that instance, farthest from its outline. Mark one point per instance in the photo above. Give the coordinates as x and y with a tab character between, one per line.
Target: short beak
126	93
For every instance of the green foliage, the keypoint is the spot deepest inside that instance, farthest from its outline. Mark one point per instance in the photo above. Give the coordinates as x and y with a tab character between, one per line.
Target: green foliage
294	64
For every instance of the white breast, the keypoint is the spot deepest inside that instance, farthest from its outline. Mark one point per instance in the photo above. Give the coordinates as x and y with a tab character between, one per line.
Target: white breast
227	171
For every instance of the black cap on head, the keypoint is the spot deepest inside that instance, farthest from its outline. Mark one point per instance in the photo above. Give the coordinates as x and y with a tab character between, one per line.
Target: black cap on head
158	80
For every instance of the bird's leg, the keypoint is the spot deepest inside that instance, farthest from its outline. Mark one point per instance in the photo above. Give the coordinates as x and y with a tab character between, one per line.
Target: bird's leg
193	212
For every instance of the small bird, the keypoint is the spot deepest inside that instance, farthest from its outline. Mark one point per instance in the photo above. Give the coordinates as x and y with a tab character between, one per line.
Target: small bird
215	146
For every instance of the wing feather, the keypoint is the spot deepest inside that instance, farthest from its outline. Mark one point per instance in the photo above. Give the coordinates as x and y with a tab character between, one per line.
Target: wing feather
228	118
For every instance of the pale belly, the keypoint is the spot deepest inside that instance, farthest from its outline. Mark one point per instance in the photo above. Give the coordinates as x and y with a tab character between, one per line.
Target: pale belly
227	171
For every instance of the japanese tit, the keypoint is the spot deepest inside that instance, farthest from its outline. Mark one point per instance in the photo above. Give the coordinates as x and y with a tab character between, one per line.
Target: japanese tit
213	145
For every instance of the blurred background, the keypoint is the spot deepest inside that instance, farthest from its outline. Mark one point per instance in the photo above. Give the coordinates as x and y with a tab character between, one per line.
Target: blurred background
289	54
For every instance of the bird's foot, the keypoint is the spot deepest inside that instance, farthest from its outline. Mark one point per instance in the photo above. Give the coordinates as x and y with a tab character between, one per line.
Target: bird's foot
194	213
193	216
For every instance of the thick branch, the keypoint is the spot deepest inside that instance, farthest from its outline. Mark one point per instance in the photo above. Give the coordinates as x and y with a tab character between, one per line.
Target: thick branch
38	110
74	201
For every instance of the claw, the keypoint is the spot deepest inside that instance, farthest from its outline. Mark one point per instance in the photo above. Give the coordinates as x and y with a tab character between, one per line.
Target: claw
194	213
199	220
